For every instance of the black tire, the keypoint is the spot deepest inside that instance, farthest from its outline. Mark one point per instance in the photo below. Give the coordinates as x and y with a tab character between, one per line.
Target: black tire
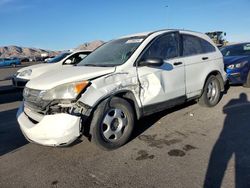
211	92
119	117
247	84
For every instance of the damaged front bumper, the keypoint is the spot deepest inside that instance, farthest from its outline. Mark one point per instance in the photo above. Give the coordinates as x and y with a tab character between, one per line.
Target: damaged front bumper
51	130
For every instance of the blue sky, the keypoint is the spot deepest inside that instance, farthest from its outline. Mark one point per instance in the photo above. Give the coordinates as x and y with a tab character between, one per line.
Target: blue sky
61	24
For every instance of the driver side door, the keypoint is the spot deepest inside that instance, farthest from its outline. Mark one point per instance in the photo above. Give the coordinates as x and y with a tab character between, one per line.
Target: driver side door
162	86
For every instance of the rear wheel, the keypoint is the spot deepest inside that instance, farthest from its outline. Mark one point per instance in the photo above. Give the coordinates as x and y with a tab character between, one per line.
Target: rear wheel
211	92
112	123
13	65
247	84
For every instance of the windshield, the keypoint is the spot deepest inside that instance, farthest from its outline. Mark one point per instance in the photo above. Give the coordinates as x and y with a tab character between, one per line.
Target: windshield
113	53
59	57
236	50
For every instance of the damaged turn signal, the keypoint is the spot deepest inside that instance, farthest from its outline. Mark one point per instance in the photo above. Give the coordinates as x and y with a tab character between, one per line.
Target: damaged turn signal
80	86
65	91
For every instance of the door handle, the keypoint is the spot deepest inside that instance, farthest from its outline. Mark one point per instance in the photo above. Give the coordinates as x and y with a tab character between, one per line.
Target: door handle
205	58
177	63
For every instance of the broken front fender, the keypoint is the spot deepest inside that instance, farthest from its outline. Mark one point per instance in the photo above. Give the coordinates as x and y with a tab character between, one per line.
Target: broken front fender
53	130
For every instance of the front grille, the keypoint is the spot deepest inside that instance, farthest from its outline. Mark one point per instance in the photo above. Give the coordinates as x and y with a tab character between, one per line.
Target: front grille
32	98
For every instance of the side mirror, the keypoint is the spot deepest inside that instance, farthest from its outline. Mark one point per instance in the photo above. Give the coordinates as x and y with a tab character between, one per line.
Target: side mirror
68	62
152	62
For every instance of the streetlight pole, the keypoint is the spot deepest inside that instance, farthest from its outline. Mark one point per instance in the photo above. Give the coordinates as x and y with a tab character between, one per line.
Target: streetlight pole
166	6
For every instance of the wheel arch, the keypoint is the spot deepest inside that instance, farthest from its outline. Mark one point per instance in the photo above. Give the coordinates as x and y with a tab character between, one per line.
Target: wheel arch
218	76
127	95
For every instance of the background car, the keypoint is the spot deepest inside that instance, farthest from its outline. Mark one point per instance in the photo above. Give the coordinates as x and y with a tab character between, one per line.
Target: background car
237	63
67	58
24	59
48	58
9	62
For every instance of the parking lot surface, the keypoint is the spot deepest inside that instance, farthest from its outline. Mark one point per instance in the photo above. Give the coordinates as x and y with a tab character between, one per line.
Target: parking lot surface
187	146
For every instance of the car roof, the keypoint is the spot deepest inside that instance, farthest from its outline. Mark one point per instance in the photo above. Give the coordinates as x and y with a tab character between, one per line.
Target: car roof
145	34
87	51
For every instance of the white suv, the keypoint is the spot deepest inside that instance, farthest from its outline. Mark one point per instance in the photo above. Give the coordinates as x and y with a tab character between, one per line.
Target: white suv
120	82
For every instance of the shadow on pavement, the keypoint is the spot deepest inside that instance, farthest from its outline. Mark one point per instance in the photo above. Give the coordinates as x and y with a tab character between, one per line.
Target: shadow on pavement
11	136
234	140
7	89
146	122
12	96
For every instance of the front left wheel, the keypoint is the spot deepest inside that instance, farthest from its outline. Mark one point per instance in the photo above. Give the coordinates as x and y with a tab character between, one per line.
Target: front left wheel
112	123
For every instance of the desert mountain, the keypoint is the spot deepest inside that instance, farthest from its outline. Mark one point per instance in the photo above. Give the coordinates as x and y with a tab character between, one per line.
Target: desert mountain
90	45
16	51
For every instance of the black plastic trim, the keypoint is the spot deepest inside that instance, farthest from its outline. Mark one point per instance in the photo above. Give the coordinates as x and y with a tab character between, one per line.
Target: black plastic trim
151	109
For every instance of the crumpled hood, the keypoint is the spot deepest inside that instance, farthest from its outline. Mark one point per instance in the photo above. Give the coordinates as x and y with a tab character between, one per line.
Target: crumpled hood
229	60
57	77
39	69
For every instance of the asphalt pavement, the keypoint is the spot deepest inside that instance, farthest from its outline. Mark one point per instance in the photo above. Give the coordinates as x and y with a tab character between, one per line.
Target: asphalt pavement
186	146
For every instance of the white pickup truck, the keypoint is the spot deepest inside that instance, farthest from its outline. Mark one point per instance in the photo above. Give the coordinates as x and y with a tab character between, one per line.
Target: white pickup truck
120	82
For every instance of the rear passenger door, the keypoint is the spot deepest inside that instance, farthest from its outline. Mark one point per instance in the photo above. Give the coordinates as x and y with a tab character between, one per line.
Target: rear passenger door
196	54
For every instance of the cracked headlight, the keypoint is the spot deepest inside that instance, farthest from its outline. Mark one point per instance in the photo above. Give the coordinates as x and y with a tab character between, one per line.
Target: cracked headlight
65	91
238	65
25	73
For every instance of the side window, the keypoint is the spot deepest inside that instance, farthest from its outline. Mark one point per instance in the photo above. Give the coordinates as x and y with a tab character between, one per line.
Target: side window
82	56
164	47
236	50
207	47
76	58
246	49
191	45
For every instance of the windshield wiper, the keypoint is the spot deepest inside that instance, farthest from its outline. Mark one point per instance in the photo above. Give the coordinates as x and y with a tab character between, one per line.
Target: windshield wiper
100	65
91	65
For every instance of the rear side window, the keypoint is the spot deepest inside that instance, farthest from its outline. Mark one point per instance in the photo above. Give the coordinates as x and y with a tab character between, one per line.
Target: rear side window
246	49
194	45
207	47
164	47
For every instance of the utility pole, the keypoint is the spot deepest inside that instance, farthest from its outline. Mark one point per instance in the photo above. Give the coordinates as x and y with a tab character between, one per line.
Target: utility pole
166	6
